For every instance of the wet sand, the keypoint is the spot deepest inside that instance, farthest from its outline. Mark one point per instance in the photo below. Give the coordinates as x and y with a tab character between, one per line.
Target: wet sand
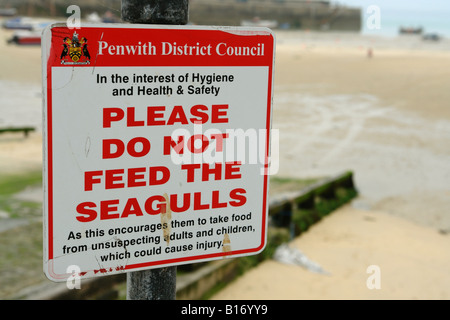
19	64
366	254
21	105
386	118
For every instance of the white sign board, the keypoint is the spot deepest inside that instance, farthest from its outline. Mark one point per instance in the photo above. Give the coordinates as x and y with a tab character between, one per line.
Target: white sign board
156	145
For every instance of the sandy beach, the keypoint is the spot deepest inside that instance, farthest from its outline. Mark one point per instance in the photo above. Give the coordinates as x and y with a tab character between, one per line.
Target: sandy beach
21	105
411	261
385	117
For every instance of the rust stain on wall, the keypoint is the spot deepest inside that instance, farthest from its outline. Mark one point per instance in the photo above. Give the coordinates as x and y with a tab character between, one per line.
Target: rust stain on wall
166	217
226	243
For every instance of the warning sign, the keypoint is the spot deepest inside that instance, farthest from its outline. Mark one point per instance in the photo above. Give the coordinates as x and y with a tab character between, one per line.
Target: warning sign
156	146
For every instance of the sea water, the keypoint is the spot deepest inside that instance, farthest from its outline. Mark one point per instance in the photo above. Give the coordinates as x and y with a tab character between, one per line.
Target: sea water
432	16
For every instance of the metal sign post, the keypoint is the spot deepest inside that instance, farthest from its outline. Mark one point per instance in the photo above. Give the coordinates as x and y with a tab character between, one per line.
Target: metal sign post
156	11
154	284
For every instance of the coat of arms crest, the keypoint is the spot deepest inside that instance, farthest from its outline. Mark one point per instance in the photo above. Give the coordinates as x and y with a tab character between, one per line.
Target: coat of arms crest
75	50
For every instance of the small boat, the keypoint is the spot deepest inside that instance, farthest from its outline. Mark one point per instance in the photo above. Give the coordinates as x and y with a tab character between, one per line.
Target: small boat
29	37
431	37
19	23
25	37
408	30
256	22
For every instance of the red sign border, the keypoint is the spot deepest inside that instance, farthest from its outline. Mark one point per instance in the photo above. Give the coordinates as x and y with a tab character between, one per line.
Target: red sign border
48	139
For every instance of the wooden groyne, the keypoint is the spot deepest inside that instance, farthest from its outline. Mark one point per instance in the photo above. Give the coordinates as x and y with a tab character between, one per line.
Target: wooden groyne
25	130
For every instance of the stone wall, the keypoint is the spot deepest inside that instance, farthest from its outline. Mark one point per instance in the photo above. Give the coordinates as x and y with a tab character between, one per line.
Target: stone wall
312	15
